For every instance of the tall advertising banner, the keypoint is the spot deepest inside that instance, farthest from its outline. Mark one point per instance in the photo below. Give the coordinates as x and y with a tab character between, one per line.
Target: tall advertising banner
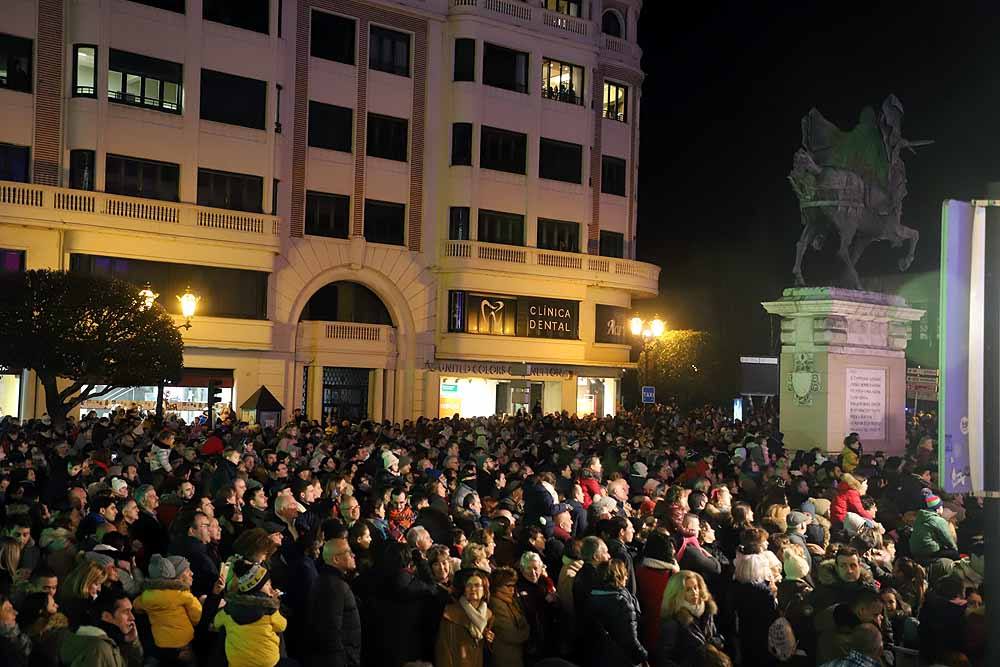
958	467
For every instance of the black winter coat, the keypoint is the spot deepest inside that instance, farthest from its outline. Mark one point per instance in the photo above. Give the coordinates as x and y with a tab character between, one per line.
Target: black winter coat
203	567
683	639
755	610
614	614
406	623
334	625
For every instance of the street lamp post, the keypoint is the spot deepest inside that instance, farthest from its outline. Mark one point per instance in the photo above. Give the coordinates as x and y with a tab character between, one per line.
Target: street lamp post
189	305
647	332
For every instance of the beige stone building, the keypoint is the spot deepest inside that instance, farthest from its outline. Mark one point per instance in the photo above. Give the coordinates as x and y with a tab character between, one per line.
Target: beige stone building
388	208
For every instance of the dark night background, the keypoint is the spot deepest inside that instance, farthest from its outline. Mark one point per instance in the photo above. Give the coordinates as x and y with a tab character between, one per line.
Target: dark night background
726	86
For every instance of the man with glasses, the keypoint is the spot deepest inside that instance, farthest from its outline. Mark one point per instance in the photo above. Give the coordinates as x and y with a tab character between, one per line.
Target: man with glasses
401	515
350	511
334	624
193	545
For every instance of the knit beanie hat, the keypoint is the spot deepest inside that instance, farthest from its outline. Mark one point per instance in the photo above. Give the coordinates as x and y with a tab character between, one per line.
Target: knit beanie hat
796	567
932	501
250	577
170	567
102	560
389	459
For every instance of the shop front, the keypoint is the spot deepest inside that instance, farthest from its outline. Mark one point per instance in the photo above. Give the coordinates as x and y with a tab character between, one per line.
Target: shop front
10	392
484	388
187	398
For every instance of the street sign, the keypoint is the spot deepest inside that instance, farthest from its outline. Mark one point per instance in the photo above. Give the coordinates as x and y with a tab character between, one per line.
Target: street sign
649	394
922	384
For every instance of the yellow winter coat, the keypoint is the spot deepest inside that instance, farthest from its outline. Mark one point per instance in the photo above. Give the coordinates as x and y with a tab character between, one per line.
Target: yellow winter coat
173	612
252	625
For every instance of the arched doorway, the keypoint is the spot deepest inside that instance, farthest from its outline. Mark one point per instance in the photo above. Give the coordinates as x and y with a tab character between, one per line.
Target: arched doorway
347	343
612	24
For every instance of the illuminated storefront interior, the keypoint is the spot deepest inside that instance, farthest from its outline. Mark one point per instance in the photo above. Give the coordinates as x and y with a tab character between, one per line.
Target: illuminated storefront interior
10	394
597	396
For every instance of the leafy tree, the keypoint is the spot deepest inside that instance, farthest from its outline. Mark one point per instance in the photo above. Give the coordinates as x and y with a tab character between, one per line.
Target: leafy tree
86	329
683	363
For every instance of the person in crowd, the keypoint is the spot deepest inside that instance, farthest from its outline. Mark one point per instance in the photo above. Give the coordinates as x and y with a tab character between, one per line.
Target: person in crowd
78	590
172	609
687	625
754	597
652	577
614	614
108	639
510	627
835	624
466	625
933	537
251	618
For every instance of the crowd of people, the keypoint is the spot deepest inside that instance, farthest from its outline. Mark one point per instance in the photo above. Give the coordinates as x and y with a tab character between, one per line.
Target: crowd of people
659	537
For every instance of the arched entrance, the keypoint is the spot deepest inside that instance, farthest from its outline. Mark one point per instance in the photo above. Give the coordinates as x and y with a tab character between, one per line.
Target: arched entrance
346	341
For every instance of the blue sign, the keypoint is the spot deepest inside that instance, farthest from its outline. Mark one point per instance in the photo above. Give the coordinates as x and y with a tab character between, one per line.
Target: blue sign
649	394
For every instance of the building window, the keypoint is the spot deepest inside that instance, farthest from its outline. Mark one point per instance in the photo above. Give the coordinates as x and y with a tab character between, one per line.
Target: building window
558	235
385	222
169	5
568	7
613	176
143	81
82	164
560	161
387	137
461	144
11	261
389	51
236	192
15	163
562	81
458	223
246	14
612	244
502	150
15	63
84	71
275	186
333	37
616	101
331	127
611	24
465	60
497	227
236	100
505	68
136	177
236	293
328	215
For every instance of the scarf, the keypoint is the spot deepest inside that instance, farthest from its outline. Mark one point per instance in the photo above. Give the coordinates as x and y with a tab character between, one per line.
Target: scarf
696	610
477	617
687	542
657	564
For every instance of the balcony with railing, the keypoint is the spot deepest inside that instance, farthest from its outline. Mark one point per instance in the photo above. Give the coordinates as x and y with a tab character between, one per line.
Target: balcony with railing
317	337
46	204
638	278
523	13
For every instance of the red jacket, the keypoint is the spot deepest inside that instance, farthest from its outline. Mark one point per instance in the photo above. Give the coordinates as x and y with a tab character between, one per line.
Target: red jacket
847	500
590	487
650	582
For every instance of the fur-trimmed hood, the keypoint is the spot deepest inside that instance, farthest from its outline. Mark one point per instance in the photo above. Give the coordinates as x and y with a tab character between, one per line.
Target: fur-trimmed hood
826	574
685	617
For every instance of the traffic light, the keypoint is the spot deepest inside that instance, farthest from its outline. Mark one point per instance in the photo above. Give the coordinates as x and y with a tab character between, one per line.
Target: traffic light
214	396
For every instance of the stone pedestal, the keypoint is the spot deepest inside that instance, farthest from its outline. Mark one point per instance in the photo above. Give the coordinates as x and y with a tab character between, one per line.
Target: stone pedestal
843	367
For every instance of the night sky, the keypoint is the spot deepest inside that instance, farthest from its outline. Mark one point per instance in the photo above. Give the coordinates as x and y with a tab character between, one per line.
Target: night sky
726	86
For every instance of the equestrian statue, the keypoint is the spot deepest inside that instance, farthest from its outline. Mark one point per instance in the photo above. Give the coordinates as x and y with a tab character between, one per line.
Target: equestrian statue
855	183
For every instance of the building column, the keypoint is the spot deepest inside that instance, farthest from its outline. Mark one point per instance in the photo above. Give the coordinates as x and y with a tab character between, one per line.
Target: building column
314	394
389	395
376	389
432	395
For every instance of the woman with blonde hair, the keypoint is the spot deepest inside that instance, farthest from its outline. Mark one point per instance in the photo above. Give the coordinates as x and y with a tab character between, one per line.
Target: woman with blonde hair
474	556
10	556
614	613
776	516
687	626
79	589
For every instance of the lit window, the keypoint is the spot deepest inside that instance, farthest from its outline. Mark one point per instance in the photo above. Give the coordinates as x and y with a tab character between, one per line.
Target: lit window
143	81
85	71
562	81
568	7
615	101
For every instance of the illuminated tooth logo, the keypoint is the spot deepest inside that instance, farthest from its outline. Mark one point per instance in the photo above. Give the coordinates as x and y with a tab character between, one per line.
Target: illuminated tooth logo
489	312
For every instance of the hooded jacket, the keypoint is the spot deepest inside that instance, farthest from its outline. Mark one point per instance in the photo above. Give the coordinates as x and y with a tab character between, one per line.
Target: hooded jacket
848	500
831	589
252	624
173	612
